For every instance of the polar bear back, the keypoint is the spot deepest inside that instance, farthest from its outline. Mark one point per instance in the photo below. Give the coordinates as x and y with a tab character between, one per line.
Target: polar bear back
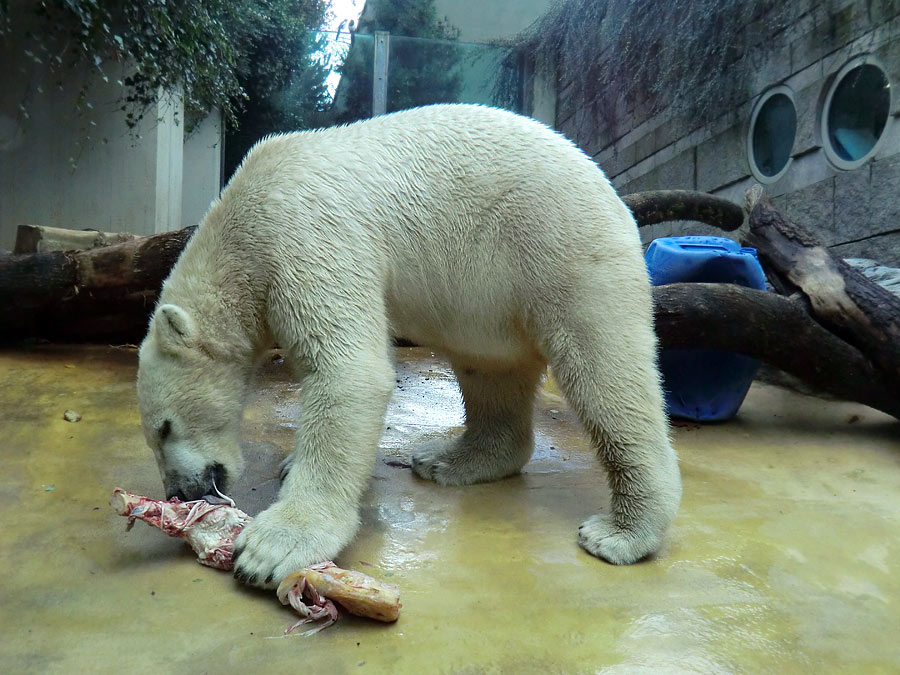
460	214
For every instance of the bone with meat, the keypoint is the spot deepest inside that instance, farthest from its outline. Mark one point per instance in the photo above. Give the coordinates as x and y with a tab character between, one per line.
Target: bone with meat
211	529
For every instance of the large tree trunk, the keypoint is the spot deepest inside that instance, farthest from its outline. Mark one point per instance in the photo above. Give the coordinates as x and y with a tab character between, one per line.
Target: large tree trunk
107	293
774	329
101	294
848	347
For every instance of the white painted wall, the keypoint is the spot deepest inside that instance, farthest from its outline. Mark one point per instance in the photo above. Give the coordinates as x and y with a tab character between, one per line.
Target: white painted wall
201	175
90	172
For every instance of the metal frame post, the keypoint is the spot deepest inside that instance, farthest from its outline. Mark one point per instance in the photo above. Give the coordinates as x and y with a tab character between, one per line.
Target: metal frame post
380	72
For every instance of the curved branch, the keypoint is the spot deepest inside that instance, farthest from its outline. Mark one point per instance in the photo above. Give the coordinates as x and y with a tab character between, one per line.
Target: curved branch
657	206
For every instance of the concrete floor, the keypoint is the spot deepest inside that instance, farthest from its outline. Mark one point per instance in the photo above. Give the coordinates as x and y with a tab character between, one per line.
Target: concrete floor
782	560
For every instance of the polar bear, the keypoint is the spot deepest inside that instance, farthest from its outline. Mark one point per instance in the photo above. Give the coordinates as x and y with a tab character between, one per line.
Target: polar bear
480	233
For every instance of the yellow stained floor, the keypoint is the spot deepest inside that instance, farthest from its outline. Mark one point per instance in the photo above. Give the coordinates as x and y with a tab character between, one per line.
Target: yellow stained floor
784	558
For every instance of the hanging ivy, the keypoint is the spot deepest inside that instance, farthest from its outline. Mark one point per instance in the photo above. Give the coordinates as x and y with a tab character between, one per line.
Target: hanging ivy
205	49
693	58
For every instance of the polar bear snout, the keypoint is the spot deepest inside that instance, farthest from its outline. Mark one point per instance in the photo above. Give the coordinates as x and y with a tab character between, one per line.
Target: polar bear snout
214	479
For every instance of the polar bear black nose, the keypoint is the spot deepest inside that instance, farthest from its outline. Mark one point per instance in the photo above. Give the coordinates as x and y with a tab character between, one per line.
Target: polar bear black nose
216	477
187	488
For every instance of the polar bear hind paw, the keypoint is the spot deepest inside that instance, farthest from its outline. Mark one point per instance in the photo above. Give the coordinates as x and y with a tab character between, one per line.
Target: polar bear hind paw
452	462
601	537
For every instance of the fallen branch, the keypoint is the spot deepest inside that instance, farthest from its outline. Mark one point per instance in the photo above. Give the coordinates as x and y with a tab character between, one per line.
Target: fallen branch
775	330
42	239
100	294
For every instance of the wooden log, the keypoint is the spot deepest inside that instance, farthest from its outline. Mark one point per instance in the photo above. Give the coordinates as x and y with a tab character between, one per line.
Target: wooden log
840	297
775	330
42	239
106	293
99	294
657	206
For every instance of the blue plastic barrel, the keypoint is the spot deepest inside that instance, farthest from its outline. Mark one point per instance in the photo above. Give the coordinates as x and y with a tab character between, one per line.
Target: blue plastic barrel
703	384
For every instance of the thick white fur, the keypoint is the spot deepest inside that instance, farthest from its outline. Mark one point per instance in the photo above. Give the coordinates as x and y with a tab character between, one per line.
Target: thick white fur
480	233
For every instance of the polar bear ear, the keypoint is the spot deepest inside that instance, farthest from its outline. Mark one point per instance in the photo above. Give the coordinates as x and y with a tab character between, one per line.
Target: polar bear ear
173	327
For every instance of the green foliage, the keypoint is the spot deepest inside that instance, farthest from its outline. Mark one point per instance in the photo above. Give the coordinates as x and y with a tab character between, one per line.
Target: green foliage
424	59
207	49
286	90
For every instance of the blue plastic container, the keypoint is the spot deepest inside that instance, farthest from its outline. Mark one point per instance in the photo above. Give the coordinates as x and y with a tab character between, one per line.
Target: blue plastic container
701	384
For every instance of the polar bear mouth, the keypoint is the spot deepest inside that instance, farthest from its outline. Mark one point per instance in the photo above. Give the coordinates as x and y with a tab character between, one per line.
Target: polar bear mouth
209	485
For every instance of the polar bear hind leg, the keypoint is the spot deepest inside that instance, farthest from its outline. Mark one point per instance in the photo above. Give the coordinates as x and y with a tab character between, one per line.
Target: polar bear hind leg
498	440
602	351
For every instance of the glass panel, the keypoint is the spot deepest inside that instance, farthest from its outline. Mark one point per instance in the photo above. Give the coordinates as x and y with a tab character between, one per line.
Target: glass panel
773	134
858	112
306	97
425	71
352	98
439	71
332	84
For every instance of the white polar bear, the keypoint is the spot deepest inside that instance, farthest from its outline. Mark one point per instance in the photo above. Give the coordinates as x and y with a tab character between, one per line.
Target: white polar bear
480	233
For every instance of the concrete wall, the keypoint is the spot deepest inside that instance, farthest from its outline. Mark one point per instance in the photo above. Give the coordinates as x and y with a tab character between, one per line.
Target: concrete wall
202	169
89	172
857	211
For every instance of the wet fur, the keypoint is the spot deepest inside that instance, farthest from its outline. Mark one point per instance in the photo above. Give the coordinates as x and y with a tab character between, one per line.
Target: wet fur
479	233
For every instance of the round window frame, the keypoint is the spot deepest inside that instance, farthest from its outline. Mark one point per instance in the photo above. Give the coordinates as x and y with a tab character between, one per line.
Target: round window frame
825	136
757	108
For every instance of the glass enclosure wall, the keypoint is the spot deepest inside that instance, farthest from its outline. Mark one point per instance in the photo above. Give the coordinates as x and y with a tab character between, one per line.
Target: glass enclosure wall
335	83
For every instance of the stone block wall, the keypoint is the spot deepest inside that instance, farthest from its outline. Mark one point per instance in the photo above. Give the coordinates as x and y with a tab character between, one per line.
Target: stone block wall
857	212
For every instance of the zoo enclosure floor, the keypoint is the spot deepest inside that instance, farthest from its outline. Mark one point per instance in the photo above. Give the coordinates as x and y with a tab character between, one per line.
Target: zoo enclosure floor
783	557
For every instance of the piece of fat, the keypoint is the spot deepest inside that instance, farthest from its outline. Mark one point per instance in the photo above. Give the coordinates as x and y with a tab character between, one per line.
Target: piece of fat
356	592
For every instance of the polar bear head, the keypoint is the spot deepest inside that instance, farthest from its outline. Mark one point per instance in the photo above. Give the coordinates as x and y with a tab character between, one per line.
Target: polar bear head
190	396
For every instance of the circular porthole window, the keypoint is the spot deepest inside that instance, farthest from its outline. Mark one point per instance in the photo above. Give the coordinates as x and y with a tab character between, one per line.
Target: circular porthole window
856	113
773	128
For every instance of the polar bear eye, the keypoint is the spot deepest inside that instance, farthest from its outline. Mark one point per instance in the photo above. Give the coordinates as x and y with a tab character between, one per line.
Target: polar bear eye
165	430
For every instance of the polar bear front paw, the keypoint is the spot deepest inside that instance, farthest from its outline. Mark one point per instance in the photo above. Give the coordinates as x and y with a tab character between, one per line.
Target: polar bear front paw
454	462
601	537
282	540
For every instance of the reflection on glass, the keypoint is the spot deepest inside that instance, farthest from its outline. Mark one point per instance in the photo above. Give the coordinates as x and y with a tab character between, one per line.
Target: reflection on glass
858	112
426	71
301	98
773	134
331	83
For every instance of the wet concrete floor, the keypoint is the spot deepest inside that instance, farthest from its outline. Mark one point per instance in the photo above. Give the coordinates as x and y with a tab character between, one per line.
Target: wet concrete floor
783	558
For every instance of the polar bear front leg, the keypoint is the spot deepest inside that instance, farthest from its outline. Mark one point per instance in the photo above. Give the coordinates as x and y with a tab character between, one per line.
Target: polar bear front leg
498	440
316	513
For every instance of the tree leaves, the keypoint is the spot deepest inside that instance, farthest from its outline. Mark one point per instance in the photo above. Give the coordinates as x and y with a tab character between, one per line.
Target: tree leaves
202	48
